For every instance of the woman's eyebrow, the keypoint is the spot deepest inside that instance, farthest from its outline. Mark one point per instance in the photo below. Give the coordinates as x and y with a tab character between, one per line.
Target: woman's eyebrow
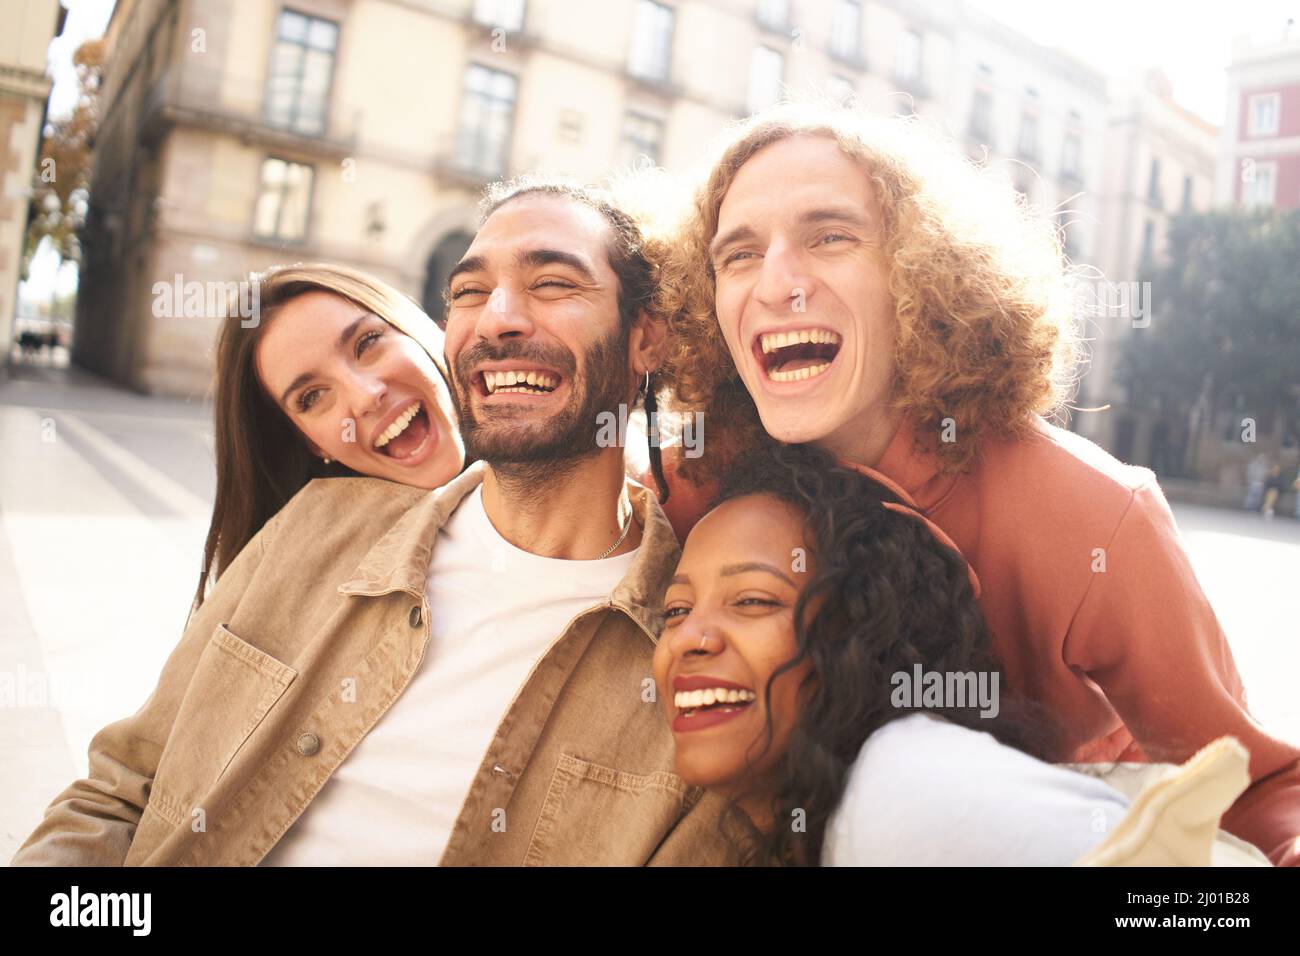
731	569
346	335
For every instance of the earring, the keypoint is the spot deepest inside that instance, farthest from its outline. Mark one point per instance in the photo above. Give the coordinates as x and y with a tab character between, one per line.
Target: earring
328	460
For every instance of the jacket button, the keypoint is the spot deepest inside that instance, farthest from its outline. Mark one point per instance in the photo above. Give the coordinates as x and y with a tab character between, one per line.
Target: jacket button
415	616
308	744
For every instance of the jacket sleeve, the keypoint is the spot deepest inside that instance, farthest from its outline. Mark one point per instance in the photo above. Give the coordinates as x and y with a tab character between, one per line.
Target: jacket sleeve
1146	635
93	821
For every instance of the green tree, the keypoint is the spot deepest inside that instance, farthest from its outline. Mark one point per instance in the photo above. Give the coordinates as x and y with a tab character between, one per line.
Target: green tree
1225	317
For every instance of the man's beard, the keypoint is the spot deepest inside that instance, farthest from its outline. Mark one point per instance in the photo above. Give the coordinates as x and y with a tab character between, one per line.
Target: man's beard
560	441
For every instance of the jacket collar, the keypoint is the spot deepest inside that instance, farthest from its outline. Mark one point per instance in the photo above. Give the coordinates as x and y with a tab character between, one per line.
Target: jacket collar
399	561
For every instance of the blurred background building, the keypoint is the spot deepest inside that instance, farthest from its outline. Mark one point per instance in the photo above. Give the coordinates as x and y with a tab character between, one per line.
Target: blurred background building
1259	151
1159	161
237	134
29	25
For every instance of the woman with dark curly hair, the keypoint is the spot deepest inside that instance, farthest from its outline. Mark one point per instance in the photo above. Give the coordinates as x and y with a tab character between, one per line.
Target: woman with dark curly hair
853	282
804	607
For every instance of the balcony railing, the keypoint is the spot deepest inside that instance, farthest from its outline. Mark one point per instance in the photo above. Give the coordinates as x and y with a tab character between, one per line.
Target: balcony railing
521	37
453	169
188	95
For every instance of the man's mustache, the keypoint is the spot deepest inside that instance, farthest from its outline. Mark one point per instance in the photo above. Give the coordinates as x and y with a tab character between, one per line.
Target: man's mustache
559	359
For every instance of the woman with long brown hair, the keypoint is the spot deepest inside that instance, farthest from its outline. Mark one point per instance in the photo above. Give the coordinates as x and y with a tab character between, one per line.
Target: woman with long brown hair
338	374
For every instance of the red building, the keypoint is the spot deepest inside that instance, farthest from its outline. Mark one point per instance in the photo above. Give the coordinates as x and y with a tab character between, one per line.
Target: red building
1260	154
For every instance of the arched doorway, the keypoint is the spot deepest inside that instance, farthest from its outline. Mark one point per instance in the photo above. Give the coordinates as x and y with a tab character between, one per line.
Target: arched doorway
444	257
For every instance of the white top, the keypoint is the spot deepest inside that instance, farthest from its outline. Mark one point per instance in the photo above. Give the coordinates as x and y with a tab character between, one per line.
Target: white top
927	792
494	612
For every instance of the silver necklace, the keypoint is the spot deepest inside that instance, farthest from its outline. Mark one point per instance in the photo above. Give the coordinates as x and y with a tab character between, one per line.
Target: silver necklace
627	526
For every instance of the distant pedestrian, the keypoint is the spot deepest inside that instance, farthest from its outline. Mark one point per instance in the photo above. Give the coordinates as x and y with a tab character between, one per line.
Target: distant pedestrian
1273	485
1256	473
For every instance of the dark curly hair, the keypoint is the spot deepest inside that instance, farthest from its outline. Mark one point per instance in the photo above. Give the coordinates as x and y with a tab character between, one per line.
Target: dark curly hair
888	595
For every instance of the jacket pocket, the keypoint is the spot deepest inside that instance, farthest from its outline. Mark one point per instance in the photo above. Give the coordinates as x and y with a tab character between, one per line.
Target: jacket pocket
231	690
599	816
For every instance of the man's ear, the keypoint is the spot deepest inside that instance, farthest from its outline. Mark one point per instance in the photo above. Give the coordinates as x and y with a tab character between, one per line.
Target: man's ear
647	342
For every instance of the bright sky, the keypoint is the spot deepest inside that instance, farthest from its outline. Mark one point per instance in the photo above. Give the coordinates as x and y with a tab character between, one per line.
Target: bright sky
1190	40
86	20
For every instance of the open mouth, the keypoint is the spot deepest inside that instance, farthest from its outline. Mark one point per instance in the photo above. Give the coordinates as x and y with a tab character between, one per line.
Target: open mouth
722	700
797	355
407	434
517	382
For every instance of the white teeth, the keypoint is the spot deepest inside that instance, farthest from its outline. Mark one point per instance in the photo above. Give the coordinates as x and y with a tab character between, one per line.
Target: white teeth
398	426
771	341
704	698
811	371
505	381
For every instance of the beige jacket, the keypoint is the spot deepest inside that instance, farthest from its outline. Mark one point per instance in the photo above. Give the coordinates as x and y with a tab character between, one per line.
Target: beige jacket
308	638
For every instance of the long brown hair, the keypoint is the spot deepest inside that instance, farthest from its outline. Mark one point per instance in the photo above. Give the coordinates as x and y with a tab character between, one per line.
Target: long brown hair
262	459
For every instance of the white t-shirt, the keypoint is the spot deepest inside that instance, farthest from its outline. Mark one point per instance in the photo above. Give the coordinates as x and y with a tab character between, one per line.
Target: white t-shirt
494	612
927	792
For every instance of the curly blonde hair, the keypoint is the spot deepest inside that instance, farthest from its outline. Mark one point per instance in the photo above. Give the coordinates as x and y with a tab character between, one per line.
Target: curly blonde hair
986	334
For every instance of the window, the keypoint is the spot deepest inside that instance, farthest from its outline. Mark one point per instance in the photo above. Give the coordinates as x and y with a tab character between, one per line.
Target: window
1148	243
841	89
652	41
1262	114
765	69
981	116
908	66
1259	183
302	65
1187	193
642	136
846	30
507	14
486	117
1027	144
774	14
1153	184
284	200
1070	153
